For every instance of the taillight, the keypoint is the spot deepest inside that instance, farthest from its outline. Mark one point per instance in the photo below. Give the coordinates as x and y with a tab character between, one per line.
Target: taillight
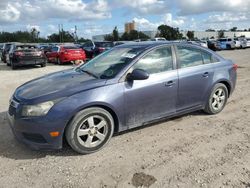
235	67
18	53
101	49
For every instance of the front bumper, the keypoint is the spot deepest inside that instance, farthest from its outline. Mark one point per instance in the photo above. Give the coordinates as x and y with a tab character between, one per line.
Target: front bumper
33	134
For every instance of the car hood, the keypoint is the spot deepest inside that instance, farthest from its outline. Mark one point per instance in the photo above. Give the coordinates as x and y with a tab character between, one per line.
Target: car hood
56	85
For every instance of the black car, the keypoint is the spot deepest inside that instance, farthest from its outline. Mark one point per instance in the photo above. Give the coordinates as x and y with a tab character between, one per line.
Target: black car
6	49
25	54
1	51
213	45
93	49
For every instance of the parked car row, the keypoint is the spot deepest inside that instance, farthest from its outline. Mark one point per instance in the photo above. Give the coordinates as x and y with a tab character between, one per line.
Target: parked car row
17	54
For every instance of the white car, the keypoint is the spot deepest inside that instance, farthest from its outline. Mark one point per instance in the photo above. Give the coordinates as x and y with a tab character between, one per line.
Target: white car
240	43
248	42
158	39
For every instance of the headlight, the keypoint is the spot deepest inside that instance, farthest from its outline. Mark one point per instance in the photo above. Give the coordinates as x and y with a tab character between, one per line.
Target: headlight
38	109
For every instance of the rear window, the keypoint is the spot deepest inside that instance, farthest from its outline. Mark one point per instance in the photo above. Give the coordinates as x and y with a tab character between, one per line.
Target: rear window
54	49
222	40
70	47
25	47
104	44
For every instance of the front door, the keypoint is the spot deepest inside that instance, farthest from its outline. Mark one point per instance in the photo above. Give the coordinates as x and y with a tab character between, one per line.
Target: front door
147	100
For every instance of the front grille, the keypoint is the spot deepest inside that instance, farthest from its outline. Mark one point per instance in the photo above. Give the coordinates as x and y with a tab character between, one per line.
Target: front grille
37	138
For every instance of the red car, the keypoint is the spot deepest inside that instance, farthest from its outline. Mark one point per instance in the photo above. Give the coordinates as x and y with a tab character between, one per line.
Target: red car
64	54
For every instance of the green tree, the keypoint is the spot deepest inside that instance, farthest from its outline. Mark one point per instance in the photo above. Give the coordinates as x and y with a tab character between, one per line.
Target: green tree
168	32
190	35
108	37
133	35
115	34
221	34
233	29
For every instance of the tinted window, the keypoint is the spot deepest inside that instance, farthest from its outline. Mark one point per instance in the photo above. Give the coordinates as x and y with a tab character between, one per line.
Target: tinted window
88	44
207	58
54	49
158	60
104	44
70	47
189	57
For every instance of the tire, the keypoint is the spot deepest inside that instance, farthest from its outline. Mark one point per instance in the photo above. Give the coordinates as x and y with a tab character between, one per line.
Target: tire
12	65
58	61
43	65
85	124
217	99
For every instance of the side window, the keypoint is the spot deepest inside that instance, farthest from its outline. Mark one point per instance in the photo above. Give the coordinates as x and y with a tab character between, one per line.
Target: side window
189	57
207	58
156	61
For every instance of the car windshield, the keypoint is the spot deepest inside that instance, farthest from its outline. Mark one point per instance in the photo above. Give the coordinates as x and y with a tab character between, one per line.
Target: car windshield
104	44
110	63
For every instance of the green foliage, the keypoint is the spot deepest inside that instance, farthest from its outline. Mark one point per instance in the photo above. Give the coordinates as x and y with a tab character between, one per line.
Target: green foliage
221	34
108	38
33	37
115	34
169	33
190	35
133	35
233	29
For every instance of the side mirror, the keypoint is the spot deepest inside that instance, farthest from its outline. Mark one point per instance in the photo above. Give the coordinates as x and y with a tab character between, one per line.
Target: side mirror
137	74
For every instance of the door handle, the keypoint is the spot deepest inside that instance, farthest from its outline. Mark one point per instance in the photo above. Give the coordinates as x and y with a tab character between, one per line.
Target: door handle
206	74
169	83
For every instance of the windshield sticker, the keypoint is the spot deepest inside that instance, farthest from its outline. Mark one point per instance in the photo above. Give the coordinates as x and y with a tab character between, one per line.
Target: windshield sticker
129	55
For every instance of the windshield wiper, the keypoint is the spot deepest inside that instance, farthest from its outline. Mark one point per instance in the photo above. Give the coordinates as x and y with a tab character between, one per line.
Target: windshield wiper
89	73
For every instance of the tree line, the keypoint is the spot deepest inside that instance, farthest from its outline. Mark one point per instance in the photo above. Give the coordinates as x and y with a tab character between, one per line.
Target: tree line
33	36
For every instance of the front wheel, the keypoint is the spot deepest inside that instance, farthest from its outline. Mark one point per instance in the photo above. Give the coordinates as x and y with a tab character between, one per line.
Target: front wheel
217	100
90	130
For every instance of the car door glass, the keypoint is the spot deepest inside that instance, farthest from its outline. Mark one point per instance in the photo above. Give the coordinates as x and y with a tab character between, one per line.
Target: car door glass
189	57
207	58
156	61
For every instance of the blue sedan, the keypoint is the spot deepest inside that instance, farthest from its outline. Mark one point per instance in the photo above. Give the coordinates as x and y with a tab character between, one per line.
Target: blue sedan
128	86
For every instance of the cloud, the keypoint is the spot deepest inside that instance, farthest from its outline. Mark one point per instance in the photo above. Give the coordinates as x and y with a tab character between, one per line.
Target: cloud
143	7
22	10
189	7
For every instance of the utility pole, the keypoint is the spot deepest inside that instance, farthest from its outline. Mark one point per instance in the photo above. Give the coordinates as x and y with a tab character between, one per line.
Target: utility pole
76	34
59	29
62	32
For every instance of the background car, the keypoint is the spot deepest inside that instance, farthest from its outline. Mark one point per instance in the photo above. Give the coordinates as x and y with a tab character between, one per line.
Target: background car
6	49
129	86
25	54
94	48
1	51
240	42
213	45
158	39
64	54
248	42
226	43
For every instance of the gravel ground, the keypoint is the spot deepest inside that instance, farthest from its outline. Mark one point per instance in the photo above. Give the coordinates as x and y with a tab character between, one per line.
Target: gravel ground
195	150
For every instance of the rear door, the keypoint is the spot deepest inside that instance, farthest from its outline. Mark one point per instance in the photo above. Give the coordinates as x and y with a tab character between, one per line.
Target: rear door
147	100
195	72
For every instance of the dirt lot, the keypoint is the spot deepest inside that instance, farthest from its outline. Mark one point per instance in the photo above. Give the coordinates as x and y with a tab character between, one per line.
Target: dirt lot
195	150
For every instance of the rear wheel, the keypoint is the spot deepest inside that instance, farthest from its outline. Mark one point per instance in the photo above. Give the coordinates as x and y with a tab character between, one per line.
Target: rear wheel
43	65
90	130
217	99
12	65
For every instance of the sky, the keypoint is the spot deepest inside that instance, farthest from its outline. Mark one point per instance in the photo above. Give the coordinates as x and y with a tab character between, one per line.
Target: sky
101	16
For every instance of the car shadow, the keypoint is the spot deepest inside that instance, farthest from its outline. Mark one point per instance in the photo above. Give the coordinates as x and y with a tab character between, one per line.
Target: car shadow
4	67
12	149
